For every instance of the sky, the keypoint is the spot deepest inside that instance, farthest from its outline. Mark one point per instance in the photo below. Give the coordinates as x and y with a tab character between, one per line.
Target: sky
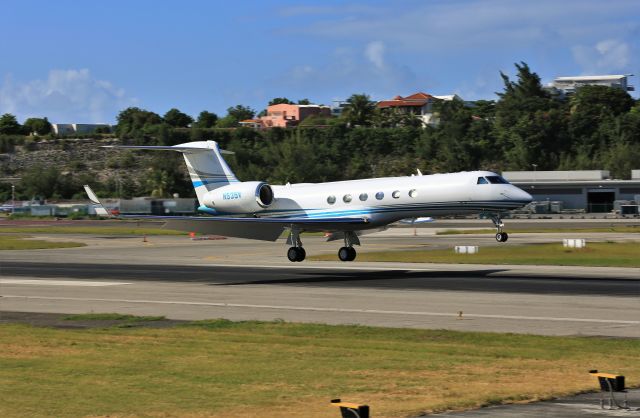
84	61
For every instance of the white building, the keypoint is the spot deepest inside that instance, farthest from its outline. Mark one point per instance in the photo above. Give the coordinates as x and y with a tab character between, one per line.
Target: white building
588	190
568	85
77	128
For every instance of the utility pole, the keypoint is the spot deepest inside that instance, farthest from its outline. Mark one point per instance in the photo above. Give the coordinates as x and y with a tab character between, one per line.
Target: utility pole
12	180
535	177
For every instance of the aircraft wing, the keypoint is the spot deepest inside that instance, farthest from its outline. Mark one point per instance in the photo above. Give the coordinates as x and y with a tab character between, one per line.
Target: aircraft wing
264	229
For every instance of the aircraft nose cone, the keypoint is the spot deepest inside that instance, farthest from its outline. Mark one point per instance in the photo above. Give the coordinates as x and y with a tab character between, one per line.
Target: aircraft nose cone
522	195
518	194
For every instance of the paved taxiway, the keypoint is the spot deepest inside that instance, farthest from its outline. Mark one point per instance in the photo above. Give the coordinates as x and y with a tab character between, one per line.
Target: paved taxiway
240	279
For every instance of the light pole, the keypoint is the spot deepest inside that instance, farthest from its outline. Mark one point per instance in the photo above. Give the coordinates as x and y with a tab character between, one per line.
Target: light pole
11	180
535	166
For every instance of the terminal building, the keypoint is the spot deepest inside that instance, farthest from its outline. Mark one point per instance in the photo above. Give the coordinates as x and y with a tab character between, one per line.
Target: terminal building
590	191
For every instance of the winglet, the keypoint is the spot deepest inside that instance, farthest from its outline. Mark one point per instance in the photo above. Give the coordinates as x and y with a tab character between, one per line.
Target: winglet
99	208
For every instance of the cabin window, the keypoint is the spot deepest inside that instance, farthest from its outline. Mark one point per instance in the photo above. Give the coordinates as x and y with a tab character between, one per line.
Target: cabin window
413	193
363	196
482	180
496	180
331	200
346	198
396	194
380	195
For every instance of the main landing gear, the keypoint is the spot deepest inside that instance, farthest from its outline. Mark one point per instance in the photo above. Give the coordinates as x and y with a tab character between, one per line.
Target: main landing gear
348	253
500	235
295	253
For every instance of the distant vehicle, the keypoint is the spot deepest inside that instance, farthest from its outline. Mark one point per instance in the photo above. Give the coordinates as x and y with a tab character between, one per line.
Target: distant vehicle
343	209
7	207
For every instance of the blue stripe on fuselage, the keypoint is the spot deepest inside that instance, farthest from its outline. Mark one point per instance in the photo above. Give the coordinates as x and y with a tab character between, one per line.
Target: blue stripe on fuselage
436	206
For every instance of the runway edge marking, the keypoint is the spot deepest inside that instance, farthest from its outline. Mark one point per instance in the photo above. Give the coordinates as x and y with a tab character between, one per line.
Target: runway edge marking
318	309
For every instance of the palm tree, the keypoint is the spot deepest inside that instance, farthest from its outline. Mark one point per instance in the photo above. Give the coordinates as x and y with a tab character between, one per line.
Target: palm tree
359	110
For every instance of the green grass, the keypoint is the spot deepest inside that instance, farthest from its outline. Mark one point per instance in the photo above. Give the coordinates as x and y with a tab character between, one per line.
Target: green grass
15	242
91	230
605	254
624	229
246	369
112	317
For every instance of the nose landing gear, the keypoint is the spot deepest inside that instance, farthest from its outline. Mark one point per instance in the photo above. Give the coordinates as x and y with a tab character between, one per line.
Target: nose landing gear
500	235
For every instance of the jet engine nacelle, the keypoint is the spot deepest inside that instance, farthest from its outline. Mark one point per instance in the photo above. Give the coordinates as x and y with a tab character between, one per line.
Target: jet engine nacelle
245	197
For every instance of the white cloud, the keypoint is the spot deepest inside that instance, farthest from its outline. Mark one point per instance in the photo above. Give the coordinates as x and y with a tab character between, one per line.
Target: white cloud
65	96
374	52
441	25
605	56
349	70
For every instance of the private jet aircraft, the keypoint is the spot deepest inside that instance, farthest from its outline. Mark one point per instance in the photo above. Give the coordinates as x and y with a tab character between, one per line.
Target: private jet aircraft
343	209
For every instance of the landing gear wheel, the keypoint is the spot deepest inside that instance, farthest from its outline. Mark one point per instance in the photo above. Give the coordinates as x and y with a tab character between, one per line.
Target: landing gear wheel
296	254
505	237
301	254
346	254
499	237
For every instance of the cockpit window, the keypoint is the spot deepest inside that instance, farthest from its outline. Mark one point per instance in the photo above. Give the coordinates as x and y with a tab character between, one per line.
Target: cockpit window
482	180
496	180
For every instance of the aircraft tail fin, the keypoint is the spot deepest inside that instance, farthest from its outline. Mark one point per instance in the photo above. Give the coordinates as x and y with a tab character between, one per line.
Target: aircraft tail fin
97	205
207	169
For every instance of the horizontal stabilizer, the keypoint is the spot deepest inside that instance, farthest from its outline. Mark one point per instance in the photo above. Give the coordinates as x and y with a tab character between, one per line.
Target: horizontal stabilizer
166	148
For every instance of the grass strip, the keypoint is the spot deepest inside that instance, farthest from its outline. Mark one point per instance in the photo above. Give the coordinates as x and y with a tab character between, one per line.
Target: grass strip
596	254
624	229
111	317
221	368
91	230
15	242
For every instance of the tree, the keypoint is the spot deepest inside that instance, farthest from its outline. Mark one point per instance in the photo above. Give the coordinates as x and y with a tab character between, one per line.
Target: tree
530	127
206	120
39	126
240	112
133	120
395	118
304	102
528	84
279	100
235	115
9	125
177	119
614	100
41	181
359	110
484	108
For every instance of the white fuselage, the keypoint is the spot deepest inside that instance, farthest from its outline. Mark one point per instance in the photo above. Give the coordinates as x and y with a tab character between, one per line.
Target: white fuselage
386	200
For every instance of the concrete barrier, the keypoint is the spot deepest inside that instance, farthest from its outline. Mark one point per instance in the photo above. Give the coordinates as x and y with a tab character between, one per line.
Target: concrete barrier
574	243
466	249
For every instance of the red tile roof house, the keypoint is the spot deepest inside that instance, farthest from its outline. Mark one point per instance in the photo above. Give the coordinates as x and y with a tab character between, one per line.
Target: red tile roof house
419	104
287	115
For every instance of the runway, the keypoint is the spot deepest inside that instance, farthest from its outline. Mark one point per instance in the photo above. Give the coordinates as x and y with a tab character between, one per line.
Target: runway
472	298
